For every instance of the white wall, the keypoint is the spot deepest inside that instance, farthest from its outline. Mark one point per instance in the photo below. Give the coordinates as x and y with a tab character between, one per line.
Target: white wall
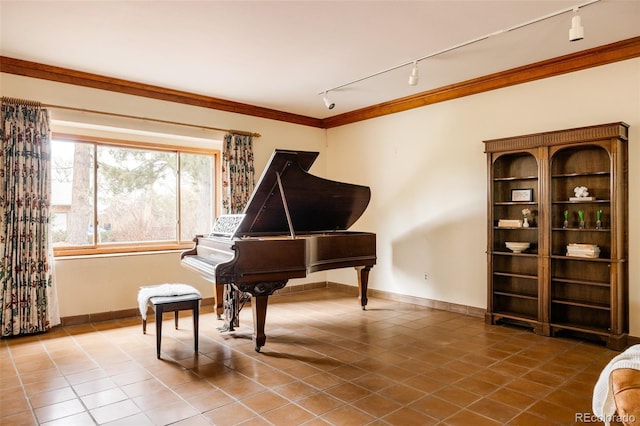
426	169
427	172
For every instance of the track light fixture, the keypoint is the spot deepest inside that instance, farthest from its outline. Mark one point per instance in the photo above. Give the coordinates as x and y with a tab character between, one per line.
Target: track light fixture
577	30
414	77
575	33
327	102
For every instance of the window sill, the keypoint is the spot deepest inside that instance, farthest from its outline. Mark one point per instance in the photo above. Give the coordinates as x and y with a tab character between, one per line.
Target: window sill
119	250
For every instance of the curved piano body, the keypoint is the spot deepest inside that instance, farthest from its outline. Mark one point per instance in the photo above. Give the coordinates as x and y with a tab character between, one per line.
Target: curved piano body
294	224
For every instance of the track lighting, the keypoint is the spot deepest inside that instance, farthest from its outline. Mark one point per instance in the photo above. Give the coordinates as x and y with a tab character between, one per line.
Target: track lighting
327	102
575	33
413	78
577	30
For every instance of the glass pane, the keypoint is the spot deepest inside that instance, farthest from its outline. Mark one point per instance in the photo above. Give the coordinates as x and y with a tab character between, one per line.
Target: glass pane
137	199
71	193
196	195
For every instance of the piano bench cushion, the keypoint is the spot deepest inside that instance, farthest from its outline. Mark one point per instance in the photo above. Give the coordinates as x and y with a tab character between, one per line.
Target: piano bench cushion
159	300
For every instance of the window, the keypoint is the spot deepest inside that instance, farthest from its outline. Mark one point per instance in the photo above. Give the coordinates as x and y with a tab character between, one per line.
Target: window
110	196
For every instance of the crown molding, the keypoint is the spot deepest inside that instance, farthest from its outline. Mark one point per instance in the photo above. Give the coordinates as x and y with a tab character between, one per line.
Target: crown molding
95	81
602	55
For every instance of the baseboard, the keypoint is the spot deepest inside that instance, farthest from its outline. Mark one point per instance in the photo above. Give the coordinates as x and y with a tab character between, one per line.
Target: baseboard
300	287
413	300
633	340
113	315
135	312
419	301
208	302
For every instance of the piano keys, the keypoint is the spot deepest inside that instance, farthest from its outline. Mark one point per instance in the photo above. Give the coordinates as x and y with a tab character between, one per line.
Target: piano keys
294	224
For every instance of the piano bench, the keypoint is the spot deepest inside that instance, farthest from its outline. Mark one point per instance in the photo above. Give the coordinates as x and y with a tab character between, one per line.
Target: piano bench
162	304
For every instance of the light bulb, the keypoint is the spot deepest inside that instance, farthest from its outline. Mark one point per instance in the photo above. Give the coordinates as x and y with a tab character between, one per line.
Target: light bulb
414	77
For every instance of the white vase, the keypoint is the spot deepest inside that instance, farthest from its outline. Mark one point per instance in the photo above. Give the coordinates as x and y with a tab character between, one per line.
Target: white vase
525	223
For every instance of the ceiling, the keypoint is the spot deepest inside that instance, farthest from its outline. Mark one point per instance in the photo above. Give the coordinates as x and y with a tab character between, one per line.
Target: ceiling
281	54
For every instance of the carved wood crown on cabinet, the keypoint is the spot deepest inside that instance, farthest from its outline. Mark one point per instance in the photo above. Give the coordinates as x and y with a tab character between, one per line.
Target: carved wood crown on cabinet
554	290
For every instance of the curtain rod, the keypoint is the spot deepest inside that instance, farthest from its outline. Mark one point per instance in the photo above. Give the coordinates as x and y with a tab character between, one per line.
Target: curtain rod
113	114
24	102
155	120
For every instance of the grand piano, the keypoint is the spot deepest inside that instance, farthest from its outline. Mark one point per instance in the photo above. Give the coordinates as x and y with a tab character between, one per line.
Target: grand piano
295	223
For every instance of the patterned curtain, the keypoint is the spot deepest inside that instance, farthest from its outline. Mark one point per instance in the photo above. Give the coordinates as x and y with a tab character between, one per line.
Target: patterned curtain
238	175
28	297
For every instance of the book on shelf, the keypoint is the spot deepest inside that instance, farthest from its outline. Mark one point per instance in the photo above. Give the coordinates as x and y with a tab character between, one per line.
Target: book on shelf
583	250
509	223
582	198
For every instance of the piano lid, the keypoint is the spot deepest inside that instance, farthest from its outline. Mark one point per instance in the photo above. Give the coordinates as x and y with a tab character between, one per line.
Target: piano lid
315	204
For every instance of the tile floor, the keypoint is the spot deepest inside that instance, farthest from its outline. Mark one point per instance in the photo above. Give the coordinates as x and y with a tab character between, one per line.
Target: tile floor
325	362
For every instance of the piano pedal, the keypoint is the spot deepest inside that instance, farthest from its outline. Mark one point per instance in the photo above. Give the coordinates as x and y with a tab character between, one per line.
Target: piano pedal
244	298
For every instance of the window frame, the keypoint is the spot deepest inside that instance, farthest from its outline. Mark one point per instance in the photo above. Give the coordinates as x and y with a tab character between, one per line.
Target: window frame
141	246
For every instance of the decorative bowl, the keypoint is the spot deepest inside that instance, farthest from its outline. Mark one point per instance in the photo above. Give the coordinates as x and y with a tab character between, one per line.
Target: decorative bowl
517	247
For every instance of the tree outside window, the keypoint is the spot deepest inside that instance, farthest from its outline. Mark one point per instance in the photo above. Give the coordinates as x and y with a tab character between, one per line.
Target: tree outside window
106	195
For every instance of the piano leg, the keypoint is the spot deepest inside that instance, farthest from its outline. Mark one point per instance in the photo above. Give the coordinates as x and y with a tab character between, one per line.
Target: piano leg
260	292
218	294
363	284
259	307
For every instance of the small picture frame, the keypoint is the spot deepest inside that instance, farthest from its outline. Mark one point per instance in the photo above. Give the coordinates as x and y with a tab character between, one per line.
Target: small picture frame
522	194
